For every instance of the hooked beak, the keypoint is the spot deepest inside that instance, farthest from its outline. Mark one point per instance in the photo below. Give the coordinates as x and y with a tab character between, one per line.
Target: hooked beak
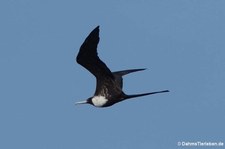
81	102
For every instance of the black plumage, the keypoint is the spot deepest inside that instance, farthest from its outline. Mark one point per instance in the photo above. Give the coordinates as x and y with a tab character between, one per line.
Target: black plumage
109	84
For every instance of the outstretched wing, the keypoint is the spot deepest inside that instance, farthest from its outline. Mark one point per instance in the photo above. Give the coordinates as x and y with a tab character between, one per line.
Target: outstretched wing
88	57
118	75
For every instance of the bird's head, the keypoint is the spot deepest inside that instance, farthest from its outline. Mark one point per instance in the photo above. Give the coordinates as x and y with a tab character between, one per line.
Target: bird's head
87	101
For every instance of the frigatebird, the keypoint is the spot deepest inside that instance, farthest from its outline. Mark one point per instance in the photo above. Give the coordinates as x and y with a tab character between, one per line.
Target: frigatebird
109	84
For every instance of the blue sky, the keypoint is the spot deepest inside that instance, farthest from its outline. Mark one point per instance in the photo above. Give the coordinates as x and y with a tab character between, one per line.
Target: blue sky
181	42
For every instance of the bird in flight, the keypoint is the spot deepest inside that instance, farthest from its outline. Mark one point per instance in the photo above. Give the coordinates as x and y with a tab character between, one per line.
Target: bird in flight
109	84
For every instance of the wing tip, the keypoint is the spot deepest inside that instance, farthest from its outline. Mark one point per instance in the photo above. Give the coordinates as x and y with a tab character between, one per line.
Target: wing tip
97	28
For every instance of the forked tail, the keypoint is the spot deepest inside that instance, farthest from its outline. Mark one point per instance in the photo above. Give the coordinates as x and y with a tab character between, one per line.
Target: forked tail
144	94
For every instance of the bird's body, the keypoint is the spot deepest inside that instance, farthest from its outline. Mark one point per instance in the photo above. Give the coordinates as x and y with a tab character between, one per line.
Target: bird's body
109	84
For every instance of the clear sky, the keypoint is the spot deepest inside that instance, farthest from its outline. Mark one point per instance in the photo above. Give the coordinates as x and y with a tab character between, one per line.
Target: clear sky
181	42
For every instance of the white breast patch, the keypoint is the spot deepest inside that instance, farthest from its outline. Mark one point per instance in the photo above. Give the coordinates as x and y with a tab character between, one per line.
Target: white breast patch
99	101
